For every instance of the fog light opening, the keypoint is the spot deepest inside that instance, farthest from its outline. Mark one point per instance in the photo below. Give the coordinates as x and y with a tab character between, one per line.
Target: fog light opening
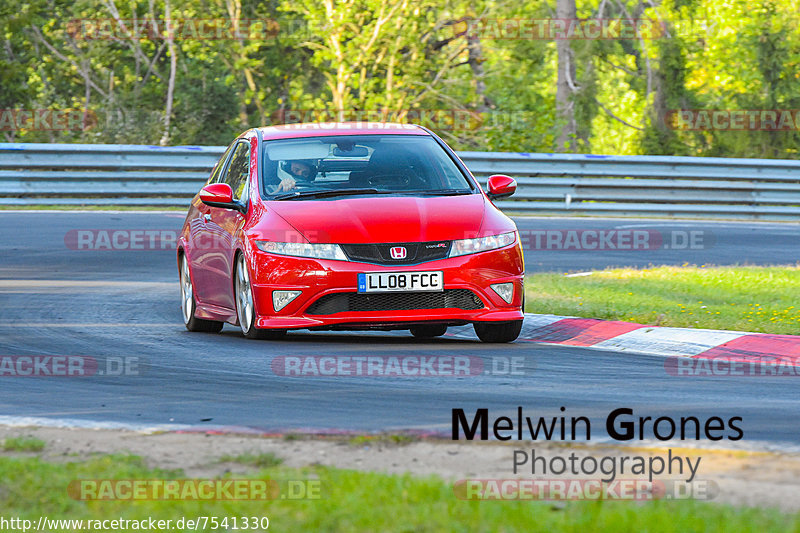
504	291
281	299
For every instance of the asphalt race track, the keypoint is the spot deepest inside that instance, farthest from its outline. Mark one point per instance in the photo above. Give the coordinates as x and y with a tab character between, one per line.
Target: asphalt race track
55	300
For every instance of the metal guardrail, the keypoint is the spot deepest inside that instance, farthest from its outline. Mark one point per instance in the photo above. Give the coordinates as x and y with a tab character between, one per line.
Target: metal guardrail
566	184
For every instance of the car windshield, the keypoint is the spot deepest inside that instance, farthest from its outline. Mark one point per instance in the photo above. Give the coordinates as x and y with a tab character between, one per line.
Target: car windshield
322	167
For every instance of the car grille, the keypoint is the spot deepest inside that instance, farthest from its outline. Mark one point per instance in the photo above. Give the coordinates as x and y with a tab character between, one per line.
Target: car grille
401	301
379	254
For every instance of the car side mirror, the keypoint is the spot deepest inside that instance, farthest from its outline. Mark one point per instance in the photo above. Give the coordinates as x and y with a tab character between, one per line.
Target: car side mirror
219	195
501	186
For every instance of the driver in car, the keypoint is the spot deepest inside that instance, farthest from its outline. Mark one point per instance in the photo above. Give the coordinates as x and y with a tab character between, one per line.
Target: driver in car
299	170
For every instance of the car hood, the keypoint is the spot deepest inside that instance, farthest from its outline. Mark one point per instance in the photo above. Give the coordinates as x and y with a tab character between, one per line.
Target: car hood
384	219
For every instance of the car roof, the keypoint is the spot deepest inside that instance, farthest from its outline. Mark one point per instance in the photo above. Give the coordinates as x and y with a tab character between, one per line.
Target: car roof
318	129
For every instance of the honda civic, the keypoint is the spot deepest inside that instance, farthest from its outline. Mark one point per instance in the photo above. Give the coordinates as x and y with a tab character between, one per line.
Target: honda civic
349	226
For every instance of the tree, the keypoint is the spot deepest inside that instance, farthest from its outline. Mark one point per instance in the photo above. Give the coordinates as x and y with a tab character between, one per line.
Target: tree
566	87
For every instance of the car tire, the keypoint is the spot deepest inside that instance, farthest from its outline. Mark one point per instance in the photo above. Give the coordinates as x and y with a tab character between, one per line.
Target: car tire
428	331
498	331
188	304
245	307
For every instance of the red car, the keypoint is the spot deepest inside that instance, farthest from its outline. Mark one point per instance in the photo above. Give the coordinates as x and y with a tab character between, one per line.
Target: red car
346	226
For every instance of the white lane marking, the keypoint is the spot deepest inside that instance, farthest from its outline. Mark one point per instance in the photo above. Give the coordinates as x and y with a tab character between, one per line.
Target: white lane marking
579	274
680	342
84	325
24	421
665	221
774	227
665	224
62	283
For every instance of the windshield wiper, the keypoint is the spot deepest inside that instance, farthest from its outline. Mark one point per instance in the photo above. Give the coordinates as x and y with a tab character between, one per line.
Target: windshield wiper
326	193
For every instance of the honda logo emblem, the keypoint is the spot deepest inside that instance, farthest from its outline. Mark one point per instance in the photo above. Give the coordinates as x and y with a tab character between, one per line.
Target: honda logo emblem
398	252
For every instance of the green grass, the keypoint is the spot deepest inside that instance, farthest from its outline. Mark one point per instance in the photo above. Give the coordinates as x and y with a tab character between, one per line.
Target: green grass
759	299
23	444
260	460
357	501
383	438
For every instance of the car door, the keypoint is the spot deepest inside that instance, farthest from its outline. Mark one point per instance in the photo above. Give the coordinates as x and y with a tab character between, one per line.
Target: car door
200	239
222	226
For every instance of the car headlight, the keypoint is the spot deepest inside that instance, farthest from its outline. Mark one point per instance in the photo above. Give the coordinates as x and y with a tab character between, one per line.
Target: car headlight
303	249
482	244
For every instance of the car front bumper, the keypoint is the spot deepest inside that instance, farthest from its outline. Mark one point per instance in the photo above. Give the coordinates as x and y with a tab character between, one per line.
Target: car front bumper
317	278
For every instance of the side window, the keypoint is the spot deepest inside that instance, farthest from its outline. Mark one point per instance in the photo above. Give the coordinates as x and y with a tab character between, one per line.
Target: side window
216	174
238	170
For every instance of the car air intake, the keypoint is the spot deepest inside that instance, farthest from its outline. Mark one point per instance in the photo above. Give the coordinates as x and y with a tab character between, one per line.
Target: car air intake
401	301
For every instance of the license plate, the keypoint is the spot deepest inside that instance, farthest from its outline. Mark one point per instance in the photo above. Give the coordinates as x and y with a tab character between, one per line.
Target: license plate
400	281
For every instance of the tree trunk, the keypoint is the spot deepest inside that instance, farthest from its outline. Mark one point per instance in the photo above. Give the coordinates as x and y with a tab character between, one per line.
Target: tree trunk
475	60
565	84
173	67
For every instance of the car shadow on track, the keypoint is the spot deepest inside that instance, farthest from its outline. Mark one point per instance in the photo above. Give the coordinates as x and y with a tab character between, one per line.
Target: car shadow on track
357	337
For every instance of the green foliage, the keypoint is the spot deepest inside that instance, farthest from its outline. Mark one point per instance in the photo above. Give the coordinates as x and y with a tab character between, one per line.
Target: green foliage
260	460
383	438
393	59
23	444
